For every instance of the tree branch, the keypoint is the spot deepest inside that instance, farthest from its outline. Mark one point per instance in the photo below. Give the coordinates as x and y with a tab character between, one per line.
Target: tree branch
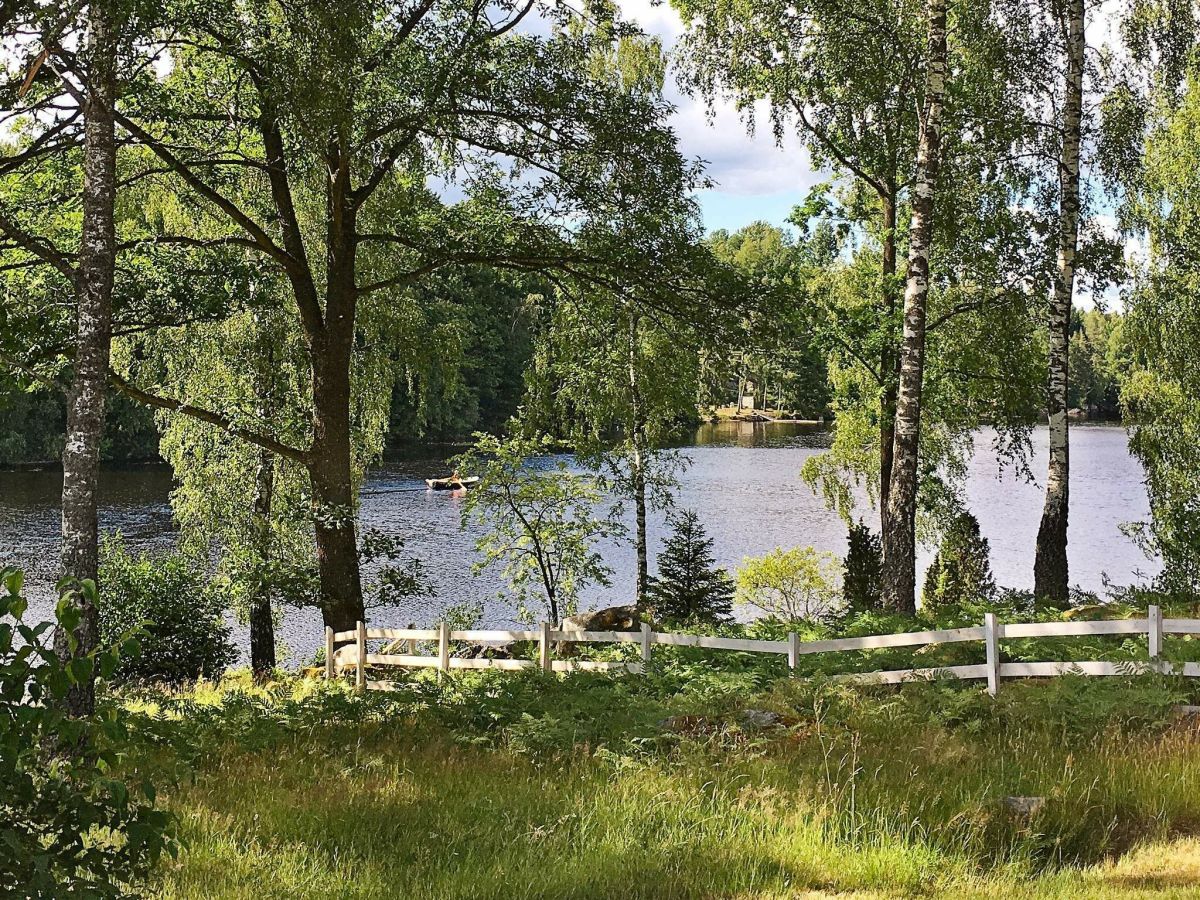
224	423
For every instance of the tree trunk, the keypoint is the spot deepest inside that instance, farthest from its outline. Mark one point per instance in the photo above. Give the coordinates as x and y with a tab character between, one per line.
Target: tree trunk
262	624
899	559
887	363
637	444
85	400
1050	574
335	509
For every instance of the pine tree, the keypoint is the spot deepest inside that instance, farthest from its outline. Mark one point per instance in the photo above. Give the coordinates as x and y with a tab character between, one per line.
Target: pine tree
864	561
689	585
960	576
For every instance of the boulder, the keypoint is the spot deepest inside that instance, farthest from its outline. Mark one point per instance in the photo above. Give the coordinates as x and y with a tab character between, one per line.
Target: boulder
1023	807
759	718
611	618
489	651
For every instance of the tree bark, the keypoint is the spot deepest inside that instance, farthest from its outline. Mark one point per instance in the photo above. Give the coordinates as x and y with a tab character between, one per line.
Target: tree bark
887	363
334	513
899	560
1050	572
93	335
637	445
262	623
330	467
261	619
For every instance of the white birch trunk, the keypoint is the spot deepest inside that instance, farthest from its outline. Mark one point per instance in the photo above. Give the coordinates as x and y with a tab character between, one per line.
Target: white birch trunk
899	562
93	335
1050	572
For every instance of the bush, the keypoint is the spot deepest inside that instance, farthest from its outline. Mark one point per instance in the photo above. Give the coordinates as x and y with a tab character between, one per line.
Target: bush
68	826
797	584
182	612
960	577
863	582
690	587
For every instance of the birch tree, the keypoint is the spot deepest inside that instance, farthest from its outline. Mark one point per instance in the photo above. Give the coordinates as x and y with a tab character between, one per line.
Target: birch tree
618	382
1050	572
899	538
73	115
809	61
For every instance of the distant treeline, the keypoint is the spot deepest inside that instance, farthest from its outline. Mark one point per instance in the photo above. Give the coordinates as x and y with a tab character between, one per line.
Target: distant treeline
486	385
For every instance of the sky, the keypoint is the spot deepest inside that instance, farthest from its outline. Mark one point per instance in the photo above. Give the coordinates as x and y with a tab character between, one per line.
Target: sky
755	178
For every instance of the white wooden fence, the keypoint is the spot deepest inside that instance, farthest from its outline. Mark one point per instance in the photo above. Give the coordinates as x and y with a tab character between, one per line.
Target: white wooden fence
991	632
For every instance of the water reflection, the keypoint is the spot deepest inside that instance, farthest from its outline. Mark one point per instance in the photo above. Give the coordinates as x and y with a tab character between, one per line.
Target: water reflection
776	435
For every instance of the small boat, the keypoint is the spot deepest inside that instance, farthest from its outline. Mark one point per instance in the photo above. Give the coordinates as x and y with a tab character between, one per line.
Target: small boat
452	483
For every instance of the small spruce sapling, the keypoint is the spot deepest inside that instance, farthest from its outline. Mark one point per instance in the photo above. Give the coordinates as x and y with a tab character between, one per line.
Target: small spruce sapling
864	562
690	587
959	579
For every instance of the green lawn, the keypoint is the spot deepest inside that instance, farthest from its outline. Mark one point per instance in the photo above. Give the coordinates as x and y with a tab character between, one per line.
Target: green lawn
522	786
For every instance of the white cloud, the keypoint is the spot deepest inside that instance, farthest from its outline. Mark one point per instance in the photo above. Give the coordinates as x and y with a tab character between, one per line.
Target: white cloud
742	164
659	19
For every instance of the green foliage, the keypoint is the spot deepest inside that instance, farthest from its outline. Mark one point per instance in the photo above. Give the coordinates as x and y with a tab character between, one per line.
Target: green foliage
70	825
540	522
485	323
32	423
799	584
689	586
1160	392
861	584
959	580
181	612
1099	360
772	343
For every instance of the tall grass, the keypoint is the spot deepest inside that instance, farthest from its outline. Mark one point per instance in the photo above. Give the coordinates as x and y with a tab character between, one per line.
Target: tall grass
504	785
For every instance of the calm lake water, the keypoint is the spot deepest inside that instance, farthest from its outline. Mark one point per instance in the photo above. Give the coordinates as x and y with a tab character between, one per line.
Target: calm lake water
743	479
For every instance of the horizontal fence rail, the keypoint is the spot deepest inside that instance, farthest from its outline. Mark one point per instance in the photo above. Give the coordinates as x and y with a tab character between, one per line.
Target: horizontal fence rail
347	649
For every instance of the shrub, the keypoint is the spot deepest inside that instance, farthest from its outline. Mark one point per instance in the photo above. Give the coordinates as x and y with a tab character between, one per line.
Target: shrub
960	577
797	584
690	586
862	583
181	610
539	521
68	826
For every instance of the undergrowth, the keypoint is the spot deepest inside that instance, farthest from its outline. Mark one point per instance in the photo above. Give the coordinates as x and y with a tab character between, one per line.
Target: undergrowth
707	782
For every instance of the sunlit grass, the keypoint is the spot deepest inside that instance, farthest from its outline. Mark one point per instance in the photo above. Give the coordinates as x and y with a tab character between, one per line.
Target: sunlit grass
862	793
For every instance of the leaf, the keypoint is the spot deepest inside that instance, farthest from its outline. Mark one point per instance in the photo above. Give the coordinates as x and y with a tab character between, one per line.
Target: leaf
13	580
80	670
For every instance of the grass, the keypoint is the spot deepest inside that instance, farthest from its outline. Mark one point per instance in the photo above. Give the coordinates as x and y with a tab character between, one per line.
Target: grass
512	785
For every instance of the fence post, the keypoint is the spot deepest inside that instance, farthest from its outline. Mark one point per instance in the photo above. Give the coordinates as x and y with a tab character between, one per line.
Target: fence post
328	653
645	643
444	647
360	642
412	642
793	650
991	640
544	649
1154	637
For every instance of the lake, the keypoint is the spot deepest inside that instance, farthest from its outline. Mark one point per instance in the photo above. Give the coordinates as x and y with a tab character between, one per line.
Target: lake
743	479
